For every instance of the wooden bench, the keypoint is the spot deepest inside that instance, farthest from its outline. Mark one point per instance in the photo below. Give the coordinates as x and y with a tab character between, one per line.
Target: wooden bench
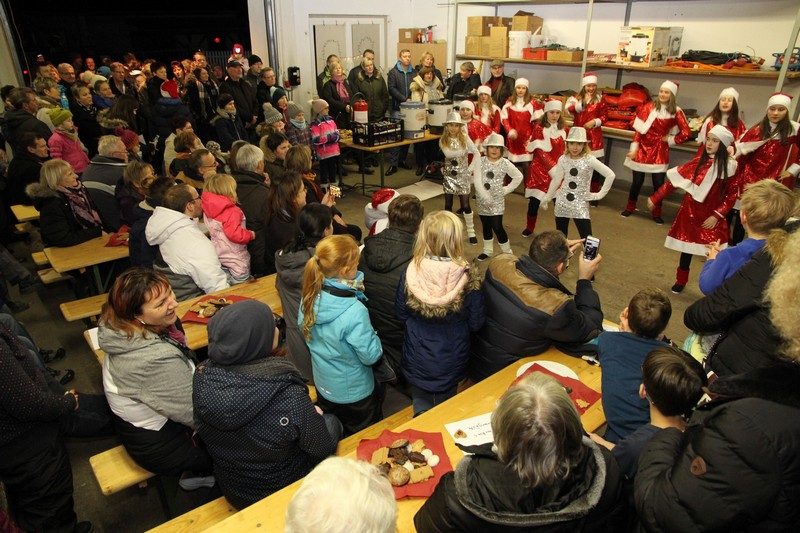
199	518
40	259
83	308
48	276
114	471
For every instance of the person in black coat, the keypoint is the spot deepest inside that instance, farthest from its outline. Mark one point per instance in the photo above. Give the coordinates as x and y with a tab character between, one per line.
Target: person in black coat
545	475
252	190
384	259
243	94
338	94
24	169
253	410
528	310
227	123
369	81
737	311
67	216
284	201
466	83
84	115
143	254
167	108
22	117
502	86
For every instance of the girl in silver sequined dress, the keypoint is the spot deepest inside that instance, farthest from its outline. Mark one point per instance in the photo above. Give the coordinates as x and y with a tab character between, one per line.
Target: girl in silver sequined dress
458	170
491	193
571	181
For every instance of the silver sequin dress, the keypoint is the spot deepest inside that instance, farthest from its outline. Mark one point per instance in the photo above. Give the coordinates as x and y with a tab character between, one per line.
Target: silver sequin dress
491	200
570	185
457	172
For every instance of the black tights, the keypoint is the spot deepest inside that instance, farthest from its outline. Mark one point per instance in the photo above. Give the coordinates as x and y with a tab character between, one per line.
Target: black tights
462	198
493	223
584	226
638	181
685	261
533	206
737	229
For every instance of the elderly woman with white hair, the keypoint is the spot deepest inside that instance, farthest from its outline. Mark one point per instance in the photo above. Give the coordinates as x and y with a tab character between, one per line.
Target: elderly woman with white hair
737	464
342	496
542	474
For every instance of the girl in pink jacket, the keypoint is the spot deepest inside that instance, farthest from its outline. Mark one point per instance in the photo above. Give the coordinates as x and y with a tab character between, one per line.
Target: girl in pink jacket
325	138
226	225
64	142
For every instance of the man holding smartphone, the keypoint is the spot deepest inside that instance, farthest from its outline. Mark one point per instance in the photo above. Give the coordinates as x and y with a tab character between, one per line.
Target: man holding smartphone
528	309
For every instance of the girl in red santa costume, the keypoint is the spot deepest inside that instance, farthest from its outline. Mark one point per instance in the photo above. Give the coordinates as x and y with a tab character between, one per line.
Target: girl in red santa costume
725	113
711	186
476	130
765	150
516	117
588	110
486	111
659	124
547	145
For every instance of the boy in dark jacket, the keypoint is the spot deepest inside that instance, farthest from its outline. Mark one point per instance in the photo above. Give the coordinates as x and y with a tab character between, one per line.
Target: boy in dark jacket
227	124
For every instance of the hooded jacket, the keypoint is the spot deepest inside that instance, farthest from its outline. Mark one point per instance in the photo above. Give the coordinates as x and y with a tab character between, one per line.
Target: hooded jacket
185	250
62	146
441	305
109	125
324	137
15	122
343	344
375	92
23	170
252	193
484	494
164	111
58	225
259	426
399	82
422	92
384	259
226	225
104	169
229	128
89	130
528	310
737	465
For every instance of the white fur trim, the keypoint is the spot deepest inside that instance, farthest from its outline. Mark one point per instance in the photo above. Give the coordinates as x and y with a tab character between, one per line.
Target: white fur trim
793	169
589	77
598	153
686	247
518	158
535	193
552	105
671	86
575	104
645	167
467	103
780	99
731	92
723	134
522	82
484	89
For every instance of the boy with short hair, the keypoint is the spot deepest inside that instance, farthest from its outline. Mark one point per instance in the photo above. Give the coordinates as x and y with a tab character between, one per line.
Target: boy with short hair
672	384
641	328
765	205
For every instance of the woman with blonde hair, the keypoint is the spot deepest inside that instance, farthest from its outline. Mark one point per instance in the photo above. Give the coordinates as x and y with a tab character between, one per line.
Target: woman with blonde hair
542	473
339	334
439	300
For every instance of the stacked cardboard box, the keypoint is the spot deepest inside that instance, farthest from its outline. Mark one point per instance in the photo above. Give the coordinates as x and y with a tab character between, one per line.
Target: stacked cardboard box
487	36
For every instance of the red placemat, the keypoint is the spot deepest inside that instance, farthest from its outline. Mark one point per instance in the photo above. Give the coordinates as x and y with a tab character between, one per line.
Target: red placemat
191	316
581	395
120	238
433	441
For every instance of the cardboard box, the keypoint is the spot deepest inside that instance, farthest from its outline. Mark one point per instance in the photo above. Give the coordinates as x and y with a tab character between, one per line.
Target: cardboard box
486	46
648	46
481	25
472	45
438	49
498	44
498	32
407	35
565	55
525	21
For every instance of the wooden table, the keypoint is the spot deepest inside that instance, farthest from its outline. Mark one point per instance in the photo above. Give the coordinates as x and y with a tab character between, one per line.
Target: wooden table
261	289
89	254
381	148
25	213
268	515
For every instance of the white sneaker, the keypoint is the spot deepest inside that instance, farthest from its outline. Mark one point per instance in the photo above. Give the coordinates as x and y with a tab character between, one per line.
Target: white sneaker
191	481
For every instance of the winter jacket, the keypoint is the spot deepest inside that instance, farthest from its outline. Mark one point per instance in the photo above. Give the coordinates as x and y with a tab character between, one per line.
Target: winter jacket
441	305
426	92
375	92
280	231
502	91
128	199
727	263
325	137
384	259
290	266
252	192
259	426
484	494
343	344
89	131
459	85
15	122
298	136
737	465
337	105
185	250
528	310
104	198
143	254
244	95
58	225
147	378
226	226
399	83
229	129
104	169
737	310
70	150
164	111
23	170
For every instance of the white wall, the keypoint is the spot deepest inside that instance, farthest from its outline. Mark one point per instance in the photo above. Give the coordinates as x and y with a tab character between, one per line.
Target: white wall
258	33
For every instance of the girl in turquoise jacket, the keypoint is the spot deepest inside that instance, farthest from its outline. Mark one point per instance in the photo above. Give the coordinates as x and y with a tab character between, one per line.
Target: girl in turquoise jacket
339	334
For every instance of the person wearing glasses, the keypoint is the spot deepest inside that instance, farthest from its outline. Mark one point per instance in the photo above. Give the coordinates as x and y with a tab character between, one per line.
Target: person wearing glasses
109	164
502	86
200	165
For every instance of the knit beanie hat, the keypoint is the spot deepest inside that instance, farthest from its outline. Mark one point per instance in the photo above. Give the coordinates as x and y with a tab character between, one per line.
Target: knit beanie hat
277	94
104	71
293	110
223	100
240	333
169	89
58	115
317	105
129	138
271	115
251	60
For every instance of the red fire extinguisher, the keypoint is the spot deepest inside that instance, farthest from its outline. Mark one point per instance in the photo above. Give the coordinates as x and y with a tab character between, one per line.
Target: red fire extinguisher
360	109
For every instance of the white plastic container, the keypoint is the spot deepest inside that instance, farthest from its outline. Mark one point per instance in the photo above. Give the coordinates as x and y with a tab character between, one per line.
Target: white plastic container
517	40
415	118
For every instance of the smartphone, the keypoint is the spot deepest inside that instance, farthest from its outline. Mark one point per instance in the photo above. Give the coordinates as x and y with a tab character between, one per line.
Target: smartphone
591	247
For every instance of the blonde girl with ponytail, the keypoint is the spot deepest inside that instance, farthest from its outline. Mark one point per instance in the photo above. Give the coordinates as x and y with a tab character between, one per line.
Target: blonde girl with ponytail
340	337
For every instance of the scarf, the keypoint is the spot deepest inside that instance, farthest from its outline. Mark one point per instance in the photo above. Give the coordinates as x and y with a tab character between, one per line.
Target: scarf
299	124
341	90
201	95
69	134
81	206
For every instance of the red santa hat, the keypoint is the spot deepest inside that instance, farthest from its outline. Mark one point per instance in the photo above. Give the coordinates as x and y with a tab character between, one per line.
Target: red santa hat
522	82
730	92
169	89
780	99
382	198
671	86
553	105
589	77
723	134
376	213
484	89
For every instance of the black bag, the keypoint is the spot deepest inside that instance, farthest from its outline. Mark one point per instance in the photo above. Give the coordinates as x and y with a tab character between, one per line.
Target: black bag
712	58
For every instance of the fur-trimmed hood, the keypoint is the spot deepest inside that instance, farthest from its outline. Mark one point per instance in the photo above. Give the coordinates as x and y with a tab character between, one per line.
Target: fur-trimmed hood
437	287
376	74
37	191
110	123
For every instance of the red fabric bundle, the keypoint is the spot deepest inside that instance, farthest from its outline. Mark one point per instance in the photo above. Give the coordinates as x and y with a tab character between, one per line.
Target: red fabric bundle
633	95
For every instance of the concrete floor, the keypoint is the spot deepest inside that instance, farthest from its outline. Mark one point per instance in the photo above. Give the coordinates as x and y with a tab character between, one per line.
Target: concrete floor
633	258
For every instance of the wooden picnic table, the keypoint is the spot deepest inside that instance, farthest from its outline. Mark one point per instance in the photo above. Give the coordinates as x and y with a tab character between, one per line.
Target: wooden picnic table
268	515
89	254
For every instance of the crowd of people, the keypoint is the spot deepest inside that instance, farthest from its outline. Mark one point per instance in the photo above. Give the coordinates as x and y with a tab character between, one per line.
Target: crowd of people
223	181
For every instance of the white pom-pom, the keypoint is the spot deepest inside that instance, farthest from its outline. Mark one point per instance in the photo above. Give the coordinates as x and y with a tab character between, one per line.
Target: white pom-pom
409	466
427	453
433	460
